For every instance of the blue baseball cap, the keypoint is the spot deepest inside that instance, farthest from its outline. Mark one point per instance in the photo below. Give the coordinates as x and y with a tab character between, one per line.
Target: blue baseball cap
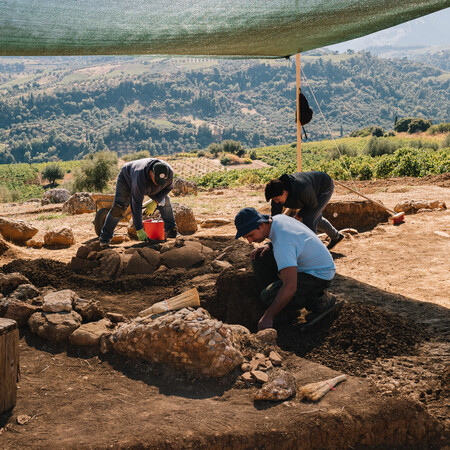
248	219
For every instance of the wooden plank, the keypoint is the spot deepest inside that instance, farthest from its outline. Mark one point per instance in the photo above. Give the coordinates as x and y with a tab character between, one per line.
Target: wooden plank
9	363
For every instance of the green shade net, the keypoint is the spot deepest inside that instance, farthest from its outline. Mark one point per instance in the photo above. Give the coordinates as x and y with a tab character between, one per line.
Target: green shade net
250	28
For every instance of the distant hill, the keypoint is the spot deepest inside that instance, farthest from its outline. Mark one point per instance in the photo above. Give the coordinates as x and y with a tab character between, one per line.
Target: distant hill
63	108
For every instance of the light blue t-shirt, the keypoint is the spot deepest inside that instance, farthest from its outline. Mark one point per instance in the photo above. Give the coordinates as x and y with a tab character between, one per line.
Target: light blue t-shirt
294	244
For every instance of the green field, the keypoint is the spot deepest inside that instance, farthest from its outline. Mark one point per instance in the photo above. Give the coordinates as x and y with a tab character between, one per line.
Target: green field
343	159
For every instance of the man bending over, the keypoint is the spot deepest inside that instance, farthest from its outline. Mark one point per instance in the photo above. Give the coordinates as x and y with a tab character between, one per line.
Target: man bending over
293	269
309	192
148	176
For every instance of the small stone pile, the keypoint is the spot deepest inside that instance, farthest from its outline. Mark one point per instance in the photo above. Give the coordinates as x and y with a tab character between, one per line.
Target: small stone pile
188	338
415	206
256	369
53	315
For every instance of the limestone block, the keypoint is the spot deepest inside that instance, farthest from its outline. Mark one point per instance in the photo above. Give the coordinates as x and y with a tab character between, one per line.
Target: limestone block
184	218
34	244
20	311
196	244
55	196
182	257
84	250
79	203
59	301
16	230
259	376
116	317
89	334
61	237
10	281
275	358
281	387
182	187
188	339
136	265
268	335
151	256
110	263
55	327
25	292
89	310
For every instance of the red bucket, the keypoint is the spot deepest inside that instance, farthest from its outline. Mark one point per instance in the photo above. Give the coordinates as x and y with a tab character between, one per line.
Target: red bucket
154	229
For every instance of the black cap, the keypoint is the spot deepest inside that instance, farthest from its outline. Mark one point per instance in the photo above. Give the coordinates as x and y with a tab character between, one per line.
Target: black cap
161	172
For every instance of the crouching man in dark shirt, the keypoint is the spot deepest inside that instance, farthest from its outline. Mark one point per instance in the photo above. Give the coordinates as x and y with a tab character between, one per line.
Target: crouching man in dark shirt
309	192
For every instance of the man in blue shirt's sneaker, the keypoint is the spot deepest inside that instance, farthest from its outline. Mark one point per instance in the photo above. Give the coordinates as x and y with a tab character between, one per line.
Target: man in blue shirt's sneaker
293	270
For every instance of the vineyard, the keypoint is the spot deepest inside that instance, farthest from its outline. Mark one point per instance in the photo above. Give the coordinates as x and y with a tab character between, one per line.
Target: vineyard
345	158
361	158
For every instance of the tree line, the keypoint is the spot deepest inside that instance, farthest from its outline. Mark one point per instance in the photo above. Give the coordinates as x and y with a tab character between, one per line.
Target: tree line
188	109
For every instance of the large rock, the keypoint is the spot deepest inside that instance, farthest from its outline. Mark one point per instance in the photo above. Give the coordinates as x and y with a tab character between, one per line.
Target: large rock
110	264
182	187
55	327
182	257
10	281
184	218
59	301
19	311
63	237
89	334
16	230
135	263
281	387
55	196
79	203
25	292
188	339
90	310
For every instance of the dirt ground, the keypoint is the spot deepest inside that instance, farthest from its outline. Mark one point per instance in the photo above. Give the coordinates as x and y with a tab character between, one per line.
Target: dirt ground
391	338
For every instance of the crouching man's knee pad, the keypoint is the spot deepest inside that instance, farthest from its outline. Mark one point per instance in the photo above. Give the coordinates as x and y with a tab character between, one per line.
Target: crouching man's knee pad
117	211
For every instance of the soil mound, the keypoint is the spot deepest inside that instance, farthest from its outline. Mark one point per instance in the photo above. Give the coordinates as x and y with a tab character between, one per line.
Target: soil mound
41	272
352	337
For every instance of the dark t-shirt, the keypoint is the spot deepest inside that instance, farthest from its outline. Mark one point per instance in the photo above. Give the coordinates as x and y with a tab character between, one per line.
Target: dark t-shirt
303	189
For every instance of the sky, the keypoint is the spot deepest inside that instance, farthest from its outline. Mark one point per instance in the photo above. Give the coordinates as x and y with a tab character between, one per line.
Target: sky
430	30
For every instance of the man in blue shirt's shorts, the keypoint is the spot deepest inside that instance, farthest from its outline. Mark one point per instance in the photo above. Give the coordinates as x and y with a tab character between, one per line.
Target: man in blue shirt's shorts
293	270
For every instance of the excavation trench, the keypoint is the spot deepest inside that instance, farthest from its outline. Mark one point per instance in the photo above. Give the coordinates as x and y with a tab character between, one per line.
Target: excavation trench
172	409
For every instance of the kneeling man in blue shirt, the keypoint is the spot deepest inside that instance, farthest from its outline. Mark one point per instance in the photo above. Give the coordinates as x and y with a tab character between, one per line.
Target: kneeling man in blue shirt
293	269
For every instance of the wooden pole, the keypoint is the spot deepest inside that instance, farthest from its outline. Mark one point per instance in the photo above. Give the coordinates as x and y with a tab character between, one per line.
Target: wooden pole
299	126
